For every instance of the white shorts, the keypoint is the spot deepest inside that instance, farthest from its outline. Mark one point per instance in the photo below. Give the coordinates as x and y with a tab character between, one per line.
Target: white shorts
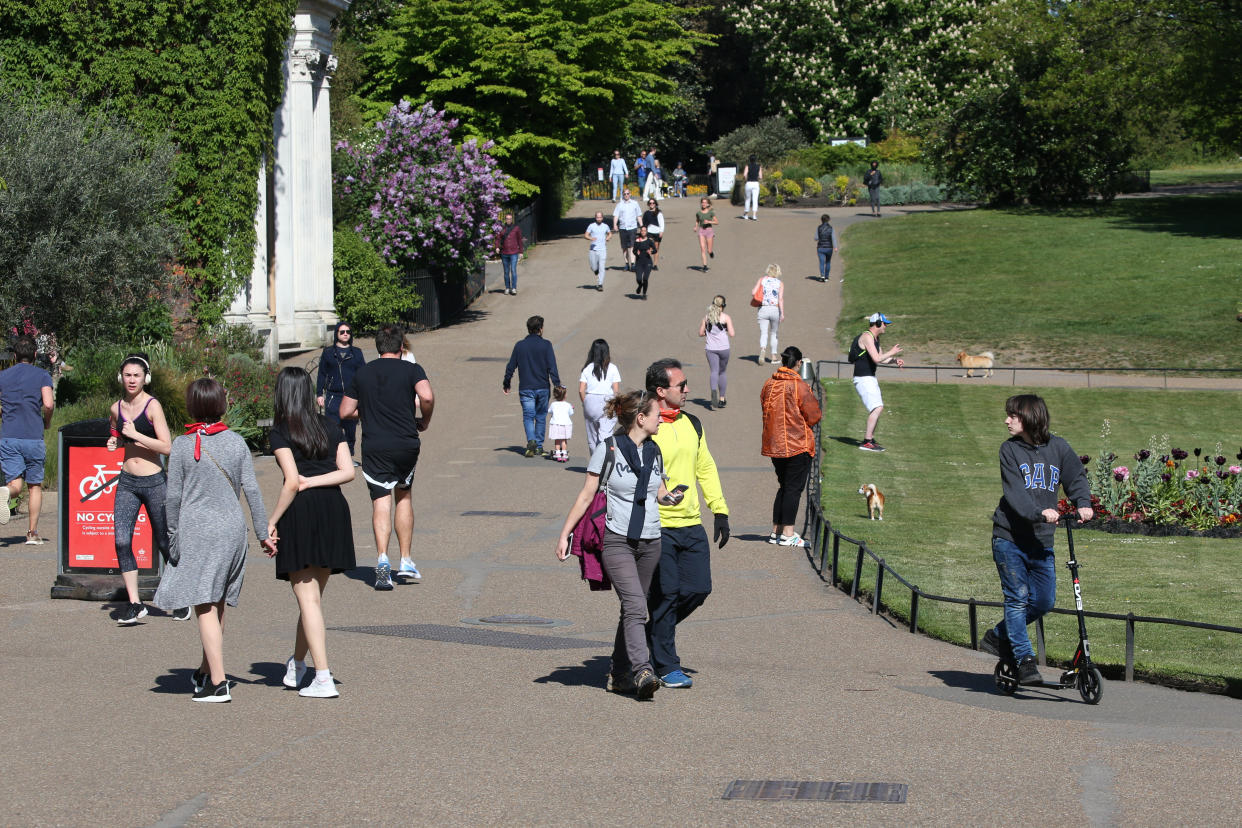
868	389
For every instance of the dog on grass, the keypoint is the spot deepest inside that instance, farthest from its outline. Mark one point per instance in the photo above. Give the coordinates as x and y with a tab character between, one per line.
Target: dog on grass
875	500
970	363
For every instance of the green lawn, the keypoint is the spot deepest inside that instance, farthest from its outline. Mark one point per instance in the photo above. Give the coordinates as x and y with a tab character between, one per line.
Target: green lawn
1196	174
941	479
1138	283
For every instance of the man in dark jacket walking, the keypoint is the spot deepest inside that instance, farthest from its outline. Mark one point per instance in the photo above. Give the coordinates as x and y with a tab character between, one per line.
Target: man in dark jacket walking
337	366
535	363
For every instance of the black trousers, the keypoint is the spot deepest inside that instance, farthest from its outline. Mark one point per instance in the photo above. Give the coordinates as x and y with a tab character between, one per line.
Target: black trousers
791	474
642	272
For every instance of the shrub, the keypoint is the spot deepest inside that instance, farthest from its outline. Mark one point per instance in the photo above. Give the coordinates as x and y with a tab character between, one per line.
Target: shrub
894	195
824	158
839	189
789	188
899	148
796	171
811	187
769	140
369	291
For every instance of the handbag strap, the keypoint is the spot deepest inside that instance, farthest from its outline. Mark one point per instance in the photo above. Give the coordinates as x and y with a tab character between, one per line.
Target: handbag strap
221	468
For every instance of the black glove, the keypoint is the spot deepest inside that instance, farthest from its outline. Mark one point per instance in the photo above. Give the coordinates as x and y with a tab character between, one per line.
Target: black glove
721	534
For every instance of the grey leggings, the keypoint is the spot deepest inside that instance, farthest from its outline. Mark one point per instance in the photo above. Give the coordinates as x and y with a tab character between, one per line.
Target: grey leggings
132	492
630	565
717	364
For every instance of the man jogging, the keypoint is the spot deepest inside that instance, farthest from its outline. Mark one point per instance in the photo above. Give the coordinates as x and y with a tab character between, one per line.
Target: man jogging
865	354
535	362
26	404
683	578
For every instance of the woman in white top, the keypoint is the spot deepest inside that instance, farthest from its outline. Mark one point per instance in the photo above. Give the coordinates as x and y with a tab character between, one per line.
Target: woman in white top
717	329
771	312
600	382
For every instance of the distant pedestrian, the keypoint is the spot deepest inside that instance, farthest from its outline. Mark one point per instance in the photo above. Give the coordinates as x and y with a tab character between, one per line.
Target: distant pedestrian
655	181
679	181
635	488
598	383
310	523
598	234
771	311
26	405
618	171
394	400
642	166
790	413
866	355
535	363
653	220
705	222
713	165
873	178
560	424
208	469
509	247
825	245
717	329
337	365
644	249
753	175
625	220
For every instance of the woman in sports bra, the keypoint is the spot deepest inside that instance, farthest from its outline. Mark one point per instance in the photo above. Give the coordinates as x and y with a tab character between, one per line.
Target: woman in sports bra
139	427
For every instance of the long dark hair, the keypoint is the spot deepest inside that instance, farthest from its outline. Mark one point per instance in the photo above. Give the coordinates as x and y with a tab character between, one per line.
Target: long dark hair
1033	412
295	410
599	357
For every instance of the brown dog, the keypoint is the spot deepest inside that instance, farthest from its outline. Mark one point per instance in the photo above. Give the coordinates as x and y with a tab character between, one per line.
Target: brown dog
875	500
970	363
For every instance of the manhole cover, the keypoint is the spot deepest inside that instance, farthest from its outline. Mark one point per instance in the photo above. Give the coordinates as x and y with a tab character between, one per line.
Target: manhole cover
524	620
788	790
486	359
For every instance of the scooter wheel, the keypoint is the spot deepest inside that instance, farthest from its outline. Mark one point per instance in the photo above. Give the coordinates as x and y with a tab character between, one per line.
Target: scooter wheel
1091	686
1006	676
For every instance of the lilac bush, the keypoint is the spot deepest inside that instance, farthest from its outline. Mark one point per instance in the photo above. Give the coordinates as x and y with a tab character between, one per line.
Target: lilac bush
420	199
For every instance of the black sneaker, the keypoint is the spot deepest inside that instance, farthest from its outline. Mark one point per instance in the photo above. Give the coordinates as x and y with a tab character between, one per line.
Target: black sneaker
711	254
214	693
646	683
199	680
131	615
871	445
1028	672
992	643
530	448
182	614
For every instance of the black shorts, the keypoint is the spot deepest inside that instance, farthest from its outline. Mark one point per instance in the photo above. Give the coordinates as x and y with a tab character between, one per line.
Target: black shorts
627	238
655	237
388	468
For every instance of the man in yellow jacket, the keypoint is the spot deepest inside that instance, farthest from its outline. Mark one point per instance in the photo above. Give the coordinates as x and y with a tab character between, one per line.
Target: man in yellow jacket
683	579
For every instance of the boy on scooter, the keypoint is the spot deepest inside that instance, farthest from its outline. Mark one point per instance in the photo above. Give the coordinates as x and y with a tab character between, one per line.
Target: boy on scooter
1033	463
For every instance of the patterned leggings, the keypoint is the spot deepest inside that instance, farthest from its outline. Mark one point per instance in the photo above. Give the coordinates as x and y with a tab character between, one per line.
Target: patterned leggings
132	492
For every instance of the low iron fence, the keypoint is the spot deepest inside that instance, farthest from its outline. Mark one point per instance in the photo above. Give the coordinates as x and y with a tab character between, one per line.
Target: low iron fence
935	372
823	551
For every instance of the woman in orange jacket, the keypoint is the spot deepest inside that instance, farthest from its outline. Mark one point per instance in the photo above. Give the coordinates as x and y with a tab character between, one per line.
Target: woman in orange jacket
790	413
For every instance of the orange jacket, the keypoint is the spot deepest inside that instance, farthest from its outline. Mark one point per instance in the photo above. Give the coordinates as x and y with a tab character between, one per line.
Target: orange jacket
789	414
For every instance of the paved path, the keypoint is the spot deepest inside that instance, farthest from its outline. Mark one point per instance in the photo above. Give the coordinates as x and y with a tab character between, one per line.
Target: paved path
455	724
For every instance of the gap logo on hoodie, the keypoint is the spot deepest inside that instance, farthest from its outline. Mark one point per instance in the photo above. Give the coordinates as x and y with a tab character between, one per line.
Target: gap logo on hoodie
1039	479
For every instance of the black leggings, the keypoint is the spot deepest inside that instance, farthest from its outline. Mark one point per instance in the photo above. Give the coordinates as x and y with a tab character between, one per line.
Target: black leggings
132	492
642	272
791	474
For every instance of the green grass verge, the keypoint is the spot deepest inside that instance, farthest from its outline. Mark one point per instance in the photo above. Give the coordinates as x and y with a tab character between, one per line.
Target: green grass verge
1138	283
941	479
1196	174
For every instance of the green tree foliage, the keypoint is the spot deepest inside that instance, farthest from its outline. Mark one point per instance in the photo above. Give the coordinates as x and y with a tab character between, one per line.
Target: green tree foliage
85	236
549	81
770	140
369	291
207	72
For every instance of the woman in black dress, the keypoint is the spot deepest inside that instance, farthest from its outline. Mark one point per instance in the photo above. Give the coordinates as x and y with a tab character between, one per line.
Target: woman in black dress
310	523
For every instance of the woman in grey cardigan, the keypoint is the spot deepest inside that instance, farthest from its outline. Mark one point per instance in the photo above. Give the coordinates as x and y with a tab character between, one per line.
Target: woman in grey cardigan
207	467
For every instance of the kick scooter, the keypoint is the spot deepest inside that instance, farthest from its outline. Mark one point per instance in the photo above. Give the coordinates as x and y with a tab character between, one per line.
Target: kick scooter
1081	673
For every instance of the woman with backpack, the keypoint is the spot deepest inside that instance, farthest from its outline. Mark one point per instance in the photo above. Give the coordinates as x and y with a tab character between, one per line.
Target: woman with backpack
629	468
825	246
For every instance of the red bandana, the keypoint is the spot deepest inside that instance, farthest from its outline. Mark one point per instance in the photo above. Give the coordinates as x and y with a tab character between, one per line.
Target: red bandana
199	429
667	415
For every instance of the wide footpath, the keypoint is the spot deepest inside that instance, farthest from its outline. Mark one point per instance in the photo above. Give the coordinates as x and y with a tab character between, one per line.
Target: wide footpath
442	721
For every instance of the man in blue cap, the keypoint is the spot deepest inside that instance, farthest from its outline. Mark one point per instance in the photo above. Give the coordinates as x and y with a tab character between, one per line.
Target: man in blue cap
866	355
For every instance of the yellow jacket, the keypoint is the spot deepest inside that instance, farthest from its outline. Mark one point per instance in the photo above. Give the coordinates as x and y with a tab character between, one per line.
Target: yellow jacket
687	460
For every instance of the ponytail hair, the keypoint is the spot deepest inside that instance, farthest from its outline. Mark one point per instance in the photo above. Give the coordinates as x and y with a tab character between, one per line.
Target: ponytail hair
625	408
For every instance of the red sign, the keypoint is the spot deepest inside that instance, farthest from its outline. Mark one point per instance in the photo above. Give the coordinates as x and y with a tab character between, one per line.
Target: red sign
93	474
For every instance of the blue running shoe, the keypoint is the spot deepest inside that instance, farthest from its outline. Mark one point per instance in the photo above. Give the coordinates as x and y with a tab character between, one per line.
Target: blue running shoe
383	577
408	571
676	678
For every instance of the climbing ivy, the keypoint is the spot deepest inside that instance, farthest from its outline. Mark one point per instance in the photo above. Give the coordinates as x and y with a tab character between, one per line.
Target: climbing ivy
205	74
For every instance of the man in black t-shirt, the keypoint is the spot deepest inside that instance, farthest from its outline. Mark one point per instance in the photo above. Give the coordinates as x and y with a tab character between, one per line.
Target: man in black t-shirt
383	394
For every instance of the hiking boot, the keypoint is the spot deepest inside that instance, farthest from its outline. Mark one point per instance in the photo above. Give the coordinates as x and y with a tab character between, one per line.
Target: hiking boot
1028	672
530	448
871	445
647	683
623	685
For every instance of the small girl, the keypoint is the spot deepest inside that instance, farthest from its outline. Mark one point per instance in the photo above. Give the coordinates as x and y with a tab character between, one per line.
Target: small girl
560	424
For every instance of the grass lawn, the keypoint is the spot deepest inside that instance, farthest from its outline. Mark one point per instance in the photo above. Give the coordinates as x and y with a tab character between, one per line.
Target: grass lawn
941	479
1196	174
1138	283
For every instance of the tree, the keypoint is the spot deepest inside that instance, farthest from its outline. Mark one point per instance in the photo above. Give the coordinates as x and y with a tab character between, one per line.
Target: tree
85	235
548	81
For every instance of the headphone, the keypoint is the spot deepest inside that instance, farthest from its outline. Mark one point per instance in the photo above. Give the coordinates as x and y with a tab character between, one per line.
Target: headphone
134	358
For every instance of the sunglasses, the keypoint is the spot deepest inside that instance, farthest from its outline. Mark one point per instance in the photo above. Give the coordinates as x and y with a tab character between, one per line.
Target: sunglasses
681	386
344	331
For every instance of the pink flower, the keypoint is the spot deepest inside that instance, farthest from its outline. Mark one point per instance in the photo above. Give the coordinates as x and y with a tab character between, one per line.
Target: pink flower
1192	474
1121	473
1235	469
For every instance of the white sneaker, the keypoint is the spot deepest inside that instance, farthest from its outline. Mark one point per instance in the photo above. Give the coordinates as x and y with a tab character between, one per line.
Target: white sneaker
294	673
320	689
408	570
4	505
790	540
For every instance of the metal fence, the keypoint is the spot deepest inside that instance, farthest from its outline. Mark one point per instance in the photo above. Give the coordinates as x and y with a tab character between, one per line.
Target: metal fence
824	553
934	373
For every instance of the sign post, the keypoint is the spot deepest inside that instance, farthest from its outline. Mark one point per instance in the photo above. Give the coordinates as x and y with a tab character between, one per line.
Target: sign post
86	566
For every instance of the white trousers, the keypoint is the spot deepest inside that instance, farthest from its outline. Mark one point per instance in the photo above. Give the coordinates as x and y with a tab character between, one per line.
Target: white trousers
769	324
752	198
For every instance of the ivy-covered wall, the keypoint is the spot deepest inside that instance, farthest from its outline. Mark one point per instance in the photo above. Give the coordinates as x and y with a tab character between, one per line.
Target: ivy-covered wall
205	73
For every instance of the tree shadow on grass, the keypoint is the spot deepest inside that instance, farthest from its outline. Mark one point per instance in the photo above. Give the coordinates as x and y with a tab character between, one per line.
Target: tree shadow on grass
1213	216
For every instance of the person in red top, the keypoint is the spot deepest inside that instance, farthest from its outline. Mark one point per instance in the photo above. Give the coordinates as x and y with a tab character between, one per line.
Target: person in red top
509	247
790	413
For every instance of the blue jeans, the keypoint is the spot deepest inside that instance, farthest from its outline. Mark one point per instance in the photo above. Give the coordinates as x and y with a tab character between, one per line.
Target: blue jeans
510	260
535	414
617	182
1028	579
825	263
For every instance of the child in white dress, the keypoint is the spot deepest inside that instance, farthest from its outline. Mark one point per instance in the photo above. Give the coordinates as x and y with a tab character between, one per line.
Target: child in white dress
560	424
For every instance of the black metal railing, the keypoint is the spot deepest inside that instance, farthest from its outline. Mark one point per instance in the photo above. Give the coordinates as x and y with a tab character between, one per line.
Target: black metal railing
914	372
823	540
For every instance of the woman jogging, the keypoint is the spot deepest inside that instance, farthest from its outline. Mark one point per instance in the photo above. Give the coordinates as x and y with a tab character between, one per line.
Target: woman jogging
705	222
598	383
1032	463
717	329
790	413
